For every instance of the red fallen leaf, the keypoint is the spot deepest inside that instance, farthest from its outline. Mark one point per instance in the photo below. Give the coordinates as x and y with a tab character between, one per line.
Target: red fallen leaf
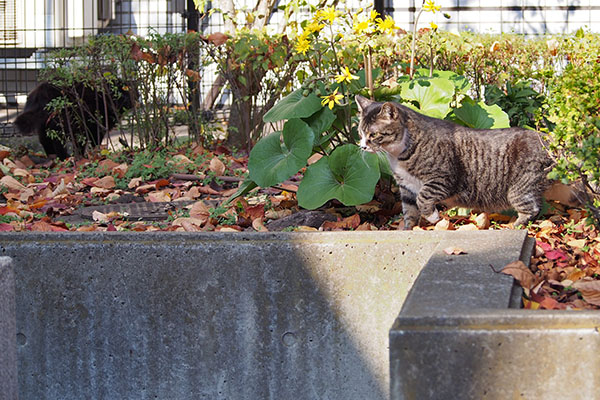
545	246
207	190
4	154
257	211
351	222
519	271
6	227
8	209
89	181
549	303
161	183
111	228
43	226
556	255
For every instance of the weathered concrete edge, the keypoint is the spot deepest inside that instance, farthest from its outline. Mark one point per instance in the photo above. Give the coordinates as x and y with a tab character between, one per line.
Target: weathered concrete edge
9	386
457	284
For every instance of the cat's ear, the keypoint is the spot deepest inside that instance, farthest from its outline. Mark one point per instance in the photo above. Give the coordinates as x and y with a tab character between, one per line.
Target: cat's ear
362	103
389	111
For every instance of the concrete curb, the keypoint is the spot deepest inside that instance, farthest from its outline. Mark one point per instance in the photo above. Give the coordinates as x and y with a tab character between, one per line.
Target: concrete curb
8	334
475	346
232	316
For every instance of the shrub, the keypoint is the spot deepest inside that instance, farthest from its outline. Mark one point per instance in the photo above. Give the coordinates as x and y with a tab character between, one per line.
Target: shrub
573	105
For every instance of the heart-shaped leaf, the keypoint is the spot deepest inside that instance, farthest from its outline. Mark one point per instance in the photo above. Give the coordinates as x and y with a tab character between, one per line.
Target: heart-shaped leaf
294	105
272	162
348	175
481	116
432	95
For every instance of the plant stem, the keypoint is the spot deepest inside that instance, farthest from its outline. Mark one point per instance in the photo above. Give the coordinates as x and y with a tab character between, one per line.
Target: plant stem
414	43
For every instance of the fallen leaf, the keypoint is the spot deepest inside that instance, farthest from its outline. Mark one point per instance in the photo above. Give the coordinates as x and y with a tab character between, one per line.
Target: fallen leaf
371	207
442	225
11	183
548	303
108	182
99	216
273	214
577	243
4	227
259	226
454	251
135	182
217	166
519	271
351	222
482	221
468	227
590	290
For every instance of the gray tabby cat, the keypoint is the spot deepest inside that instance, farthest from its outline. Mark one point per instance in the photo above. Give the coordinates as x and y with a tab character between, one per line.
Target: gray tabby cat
439	162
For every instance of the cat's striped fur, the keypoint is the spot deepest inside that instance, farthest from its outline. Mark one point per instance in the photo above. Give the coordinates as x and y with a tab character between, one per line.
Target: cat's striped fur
439	162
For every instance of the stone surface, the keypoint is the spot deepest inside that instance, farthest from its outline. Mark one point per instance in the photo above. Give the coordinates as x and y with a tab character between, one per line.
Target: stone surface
8	334
210	316
459	336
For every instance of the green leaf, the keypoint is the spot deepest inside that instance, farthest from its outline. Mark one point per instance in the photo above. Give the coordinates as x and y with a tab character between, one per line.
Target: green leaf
294	105
432	95
272	162
244	188
348	175
320	121
481	116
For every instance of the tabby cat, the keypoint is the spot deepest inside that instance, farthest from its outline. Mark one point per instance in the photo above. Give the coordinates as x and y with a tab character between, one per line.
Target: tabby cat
439	162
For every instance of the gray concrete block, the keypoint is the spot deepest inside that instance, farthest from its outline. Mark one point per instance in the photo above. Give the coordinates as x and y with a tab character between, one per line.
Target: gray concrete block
8	334
210	316
459	336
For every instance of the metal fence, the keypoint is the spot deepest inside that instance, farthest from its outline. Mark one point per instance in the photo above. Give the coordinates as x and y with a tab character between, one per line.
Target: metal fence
31	28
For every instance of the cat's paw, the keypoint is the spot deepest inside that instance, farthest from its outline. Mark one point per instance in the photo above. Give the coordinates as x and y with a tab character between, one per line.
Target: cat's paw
434	217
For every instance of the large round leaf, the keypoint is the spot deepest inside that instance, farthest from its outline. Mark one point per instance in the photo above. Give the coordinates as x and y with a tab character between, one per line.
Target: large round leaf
272	162
481	116
432	95
294	105
348	175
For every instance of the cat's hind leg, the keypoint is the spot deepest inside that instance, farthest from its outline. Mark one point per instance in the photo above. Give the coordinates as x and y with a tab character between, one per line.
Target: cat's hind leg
527	205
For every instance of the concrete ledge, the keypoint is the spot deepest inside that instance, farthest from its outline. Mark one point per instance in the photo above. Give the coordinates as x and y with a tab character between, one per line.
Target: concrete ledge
223	316
8	334
457	336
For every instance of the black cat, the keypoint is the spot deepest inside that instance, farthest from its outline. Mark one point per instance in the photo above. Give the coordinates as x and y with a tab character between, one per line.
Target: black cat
91	114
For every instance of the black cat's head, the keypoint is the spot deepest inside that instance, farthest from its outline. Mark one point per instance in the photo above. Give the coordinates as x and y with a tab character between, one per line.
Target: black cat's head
381	125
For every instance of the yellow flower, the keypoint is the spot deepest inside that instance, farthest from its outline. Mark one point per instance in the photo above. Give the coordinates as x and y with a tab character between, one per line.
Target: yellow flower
332	99
303	45
374	15
431	6
386	25
345	76
433	26
314	26
360	27
329	14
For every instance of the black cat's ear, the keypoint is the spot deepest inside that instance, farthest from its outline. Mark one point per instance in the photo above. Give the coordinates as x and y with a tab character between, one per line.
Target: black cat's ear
362	103
389	111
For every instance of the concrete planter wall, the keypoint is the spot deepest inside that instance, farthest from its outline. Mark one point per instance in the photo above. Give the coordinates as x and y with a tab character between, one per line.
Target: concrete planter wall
261	316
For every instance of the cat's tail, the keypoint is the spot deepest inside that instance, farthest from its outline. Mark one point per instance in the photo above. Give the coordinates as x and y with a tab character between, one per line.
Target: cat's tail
572	195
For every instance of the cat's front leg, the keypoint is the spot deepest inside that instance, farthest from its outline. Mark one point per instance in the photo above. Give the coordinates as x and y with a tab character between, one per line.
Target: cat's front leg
432	193
409	208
